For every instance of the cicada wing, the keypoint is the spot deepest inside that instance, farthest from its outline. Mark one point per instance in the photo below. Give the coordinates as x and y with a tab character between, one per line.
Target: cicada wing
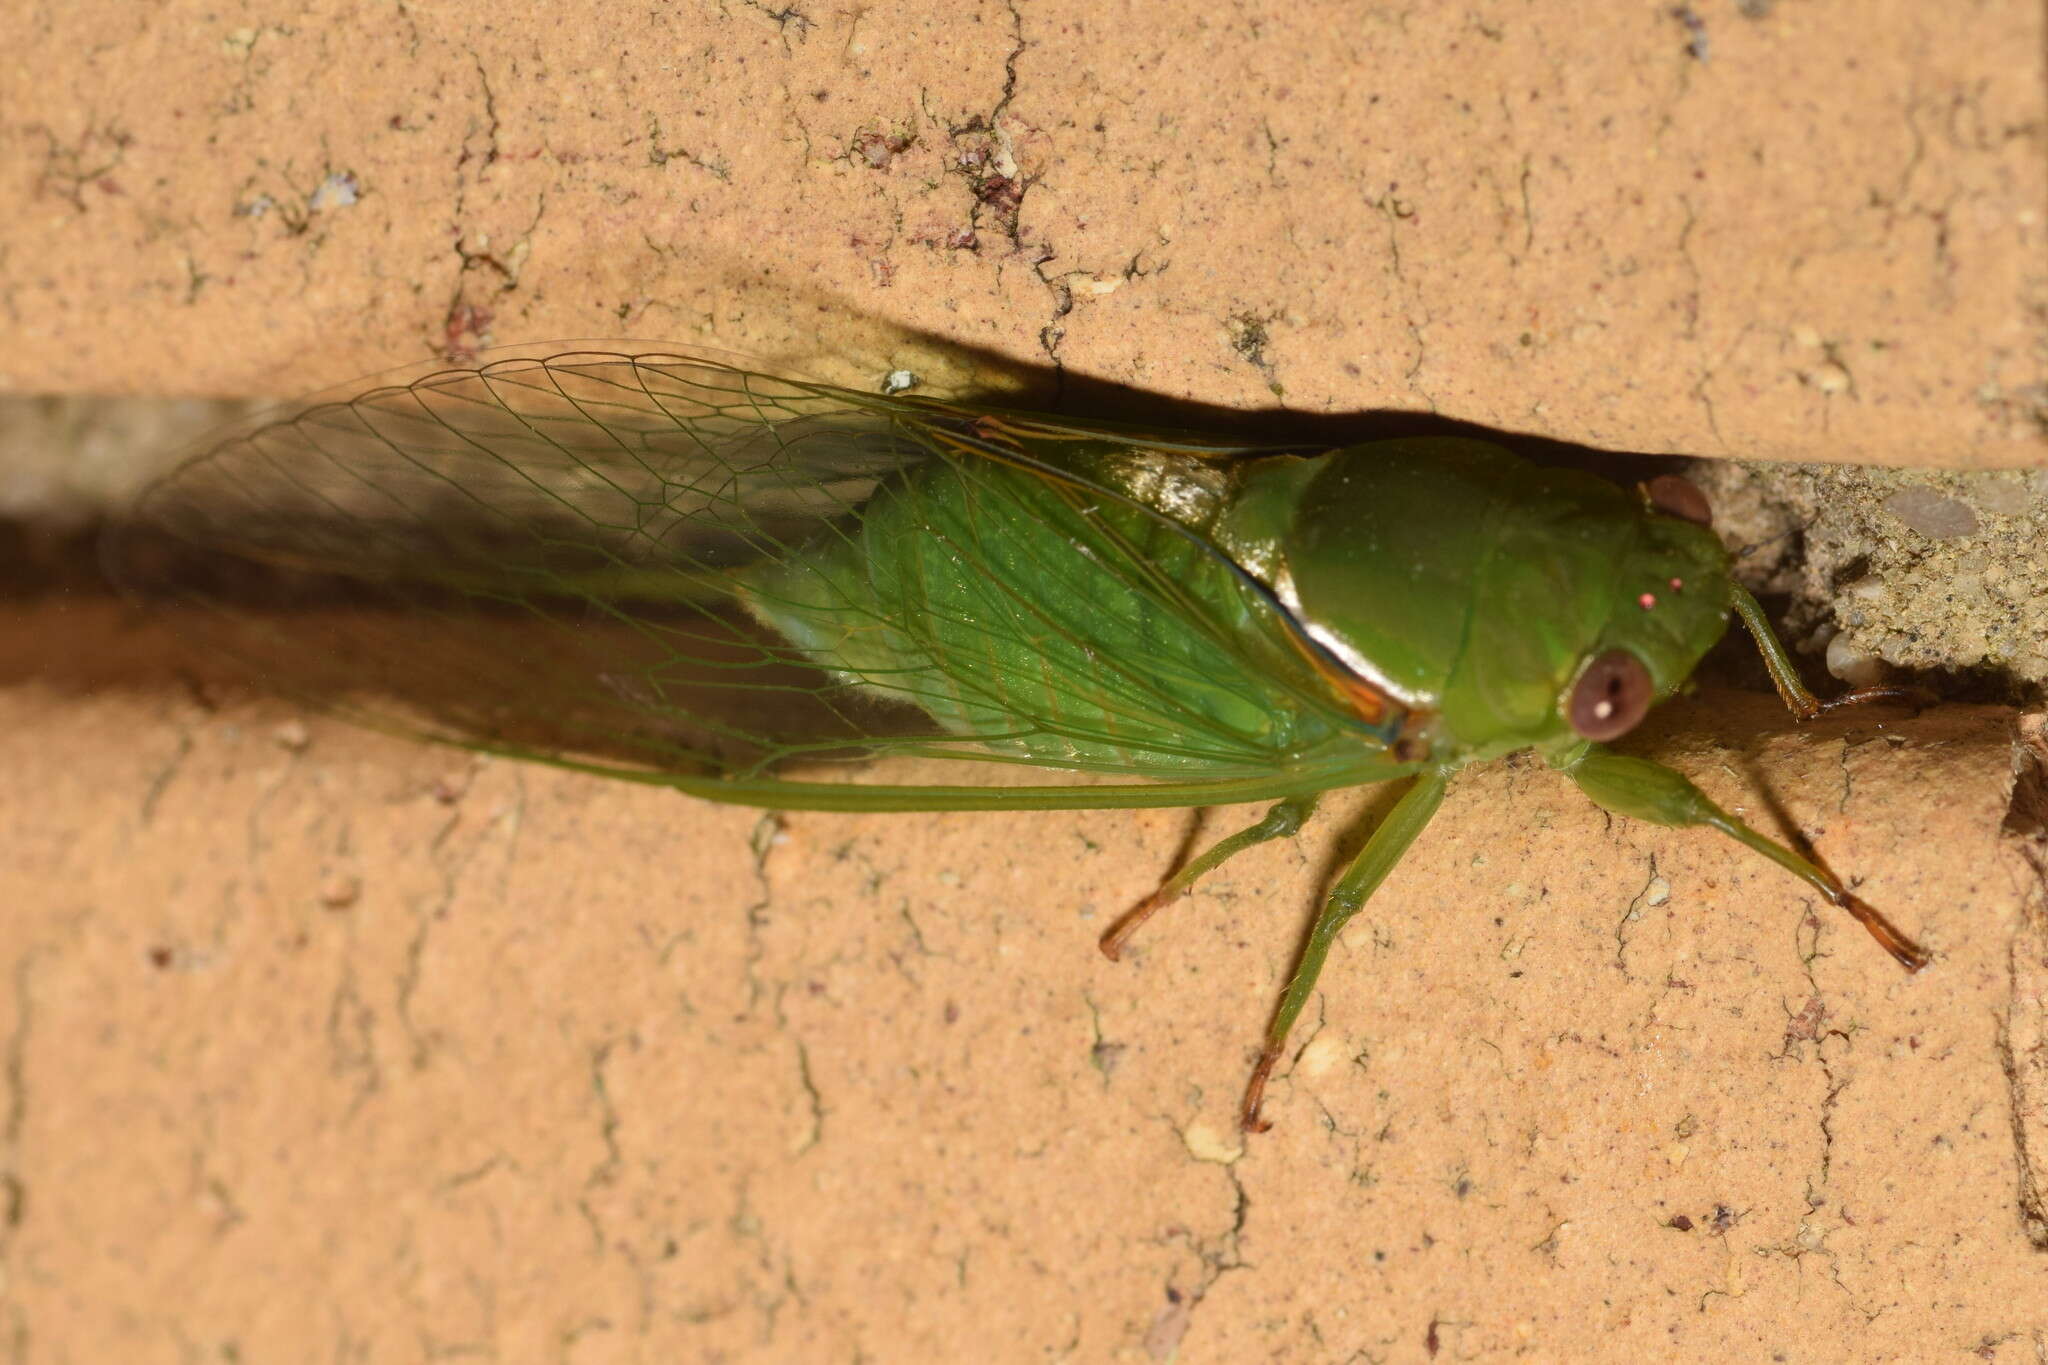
570	462
535	551
651	559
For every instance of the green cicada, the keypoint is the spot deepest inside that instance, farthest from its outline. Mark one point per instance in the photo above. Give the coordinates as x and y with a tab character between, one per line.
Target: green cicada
674	569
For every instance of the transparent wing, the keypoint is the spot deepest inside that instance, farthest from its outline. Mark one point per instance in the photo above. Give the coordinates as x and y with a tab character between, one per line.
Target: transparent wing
678	568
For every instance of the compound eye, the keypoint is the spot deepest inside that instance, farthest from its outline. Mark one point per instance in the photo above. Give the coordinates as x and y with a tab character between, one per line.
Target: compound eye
1679	497
1611	696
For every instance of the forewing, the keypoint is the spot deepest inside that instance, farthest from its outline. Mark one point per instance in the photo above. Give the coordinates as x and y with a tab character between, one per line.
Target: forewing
552	555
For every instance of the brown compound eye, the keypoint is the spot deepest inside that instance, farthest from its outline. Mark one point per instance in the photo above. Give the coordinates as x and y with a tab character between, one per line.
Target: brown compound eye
1611	696
1679	497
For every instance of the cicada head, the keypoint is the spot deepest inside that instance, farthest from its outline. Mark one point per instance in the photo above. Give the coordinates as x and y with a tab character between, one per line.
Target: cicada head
1669	605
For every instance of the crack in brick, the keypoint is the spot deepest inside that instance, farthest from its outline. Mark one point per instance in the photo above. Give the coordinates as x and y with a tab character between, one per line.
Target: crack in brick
815	1134
466	323
761	841
69	168
1652	884
2023	1053
14	1114
352	1042
406	984
785	18
658	155
605	1172
1217	1256
765	836
161	780
982	155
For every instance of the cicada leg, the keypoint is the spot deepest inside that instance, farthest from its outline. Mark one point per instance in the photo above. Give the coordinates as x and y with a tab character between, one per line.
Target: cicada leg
1283	820
1643	790
1381	852
1785	677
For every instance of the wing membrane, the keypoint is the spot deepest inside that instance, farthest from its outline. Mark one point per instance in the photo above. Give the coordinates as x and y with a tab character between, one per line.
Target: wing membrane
702	573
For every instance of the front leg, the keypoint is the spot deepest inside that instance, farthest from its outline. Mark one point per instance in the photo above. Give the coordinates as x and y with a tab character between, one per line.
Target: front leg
1643	790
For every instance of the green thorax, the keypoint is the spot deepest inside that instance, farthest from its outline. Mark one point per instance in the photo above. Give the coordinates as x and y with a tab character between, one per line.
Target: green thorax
1471	584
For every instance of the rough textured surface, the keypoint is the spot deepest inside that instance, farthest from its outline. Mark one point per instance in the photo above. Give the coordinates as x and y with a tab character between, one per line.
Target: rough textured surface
322	1044
1896	571
1797	230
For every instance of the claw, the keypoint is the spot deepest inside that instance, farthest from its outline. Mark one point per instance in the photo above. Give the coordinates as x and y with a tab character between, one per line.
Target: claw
1248	1117
1907	953
1112	942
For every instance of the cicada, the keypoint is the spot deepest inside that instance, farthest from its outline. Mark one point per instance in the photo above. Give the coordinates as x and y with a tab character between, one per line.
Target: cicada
673	568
